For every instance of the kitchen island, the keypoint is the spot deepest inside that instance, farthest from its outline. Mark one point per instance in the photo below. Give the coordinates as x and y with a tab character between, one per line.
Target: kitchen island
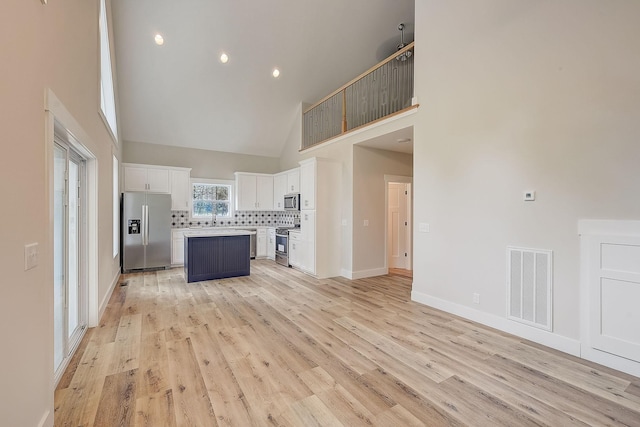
216	254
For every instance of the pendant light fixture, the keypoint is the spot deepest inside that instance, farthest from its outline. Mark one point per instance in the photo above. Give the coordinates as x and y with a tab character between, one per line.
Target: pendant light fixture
405	55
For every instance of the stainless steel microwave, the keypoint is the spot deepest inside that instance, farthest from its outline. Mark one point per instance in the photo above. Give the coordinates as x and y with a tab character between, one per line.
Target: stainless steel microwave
292	202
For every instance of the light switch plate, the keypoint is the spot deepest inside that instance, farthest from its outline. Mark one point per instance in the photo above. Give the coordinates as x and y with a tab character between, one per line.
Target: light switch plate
365	223
30	256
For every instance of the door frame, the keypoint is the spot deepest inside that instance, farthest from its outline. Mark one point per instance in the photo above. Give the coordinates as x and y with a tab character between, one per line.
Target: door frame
59	121
401	180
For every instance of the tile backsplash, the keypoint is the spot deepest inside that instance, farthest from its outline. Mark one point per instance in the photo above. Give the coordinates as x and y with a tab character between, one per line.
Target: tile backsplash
180	219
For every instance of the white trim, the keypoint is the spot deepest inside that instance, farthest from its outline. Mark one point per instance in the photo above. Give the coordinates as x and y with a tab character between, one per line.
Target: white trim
362	274
46	420
92	241
610	360
558	342
361	129
346	274
107	297
608	227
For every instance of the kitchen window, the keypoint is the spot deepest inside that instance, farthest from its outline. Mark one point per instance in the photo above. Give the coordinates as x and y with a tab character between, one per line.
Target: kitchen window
211	199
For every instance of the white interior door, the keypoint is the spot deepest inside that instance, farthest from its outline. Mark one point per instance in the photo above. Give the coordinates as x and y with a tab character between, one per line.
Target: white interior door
397	226
70	284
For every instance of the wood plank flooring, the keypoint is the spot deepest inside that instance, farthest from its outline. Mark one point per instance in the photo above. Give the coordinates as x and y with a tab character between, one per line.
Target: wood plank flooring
279	348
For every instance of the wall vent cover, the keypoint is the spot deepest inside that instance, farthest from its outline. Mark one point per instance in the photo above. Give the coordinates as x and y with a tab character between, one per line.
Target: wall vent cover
529	286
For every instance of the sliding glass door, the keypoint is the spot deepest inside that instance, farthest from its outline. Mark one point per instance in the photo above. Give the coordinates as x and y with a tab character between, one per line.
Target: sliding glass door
70	285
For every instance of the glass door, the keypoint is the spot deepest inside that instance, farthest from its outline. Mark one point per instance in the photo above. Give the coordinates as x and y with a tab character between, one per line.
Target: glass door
70	291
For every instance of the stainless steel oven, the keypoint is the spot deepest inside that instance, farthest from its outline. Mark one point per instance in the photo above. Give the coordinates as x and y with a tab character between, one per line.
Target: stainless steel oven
282	246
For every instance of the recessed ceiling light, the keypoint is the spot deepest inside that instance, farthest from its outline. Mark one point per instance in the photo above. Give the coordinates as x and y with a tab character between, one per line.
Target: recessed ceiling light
276	72
224	58
159	40
403	140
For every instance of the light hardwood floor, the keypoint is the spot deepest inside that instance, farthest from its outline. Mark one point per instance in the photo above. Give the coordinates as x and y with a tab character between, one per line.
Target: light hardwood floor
281	348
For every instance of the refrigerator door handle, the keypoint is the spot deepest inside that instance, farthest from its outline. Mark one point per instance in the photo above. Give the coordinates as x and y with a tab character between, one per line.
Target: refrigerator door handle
143	226
146	225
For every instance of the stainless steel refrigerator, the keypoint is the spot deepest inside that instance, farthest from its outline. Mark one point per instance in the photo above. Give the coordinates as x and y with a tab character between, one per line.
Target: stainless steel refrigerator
146	231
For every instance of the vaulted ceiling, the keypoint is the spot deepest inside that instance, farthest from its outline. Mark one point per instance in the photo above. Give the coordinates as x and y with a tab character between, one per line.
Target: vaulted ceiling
180	93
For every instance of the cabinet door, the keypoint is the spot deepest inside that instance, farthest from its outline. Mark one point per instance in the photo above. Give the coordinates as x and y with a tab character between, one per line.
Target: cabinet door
279	190
308	255
177	247
293	181
308	244
261	244
264	193
135	178
271	243
294	249
308	185
308	225
180	190
158	181
246	192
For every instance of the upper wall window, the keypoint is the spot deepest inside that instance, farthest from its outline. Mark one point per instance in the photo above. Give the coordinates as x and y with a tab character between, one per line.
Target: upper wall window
107	94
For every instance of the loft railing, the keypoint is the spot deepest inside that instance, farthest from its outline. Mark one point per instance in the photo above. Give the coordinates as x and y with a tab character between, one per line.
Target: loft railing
382	91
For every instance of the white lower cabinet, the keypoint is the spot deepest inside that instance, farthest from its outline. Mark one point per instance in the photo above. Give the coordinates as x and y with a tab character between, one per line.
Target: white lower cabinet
177	247
308	241
261	243
295	249
271	243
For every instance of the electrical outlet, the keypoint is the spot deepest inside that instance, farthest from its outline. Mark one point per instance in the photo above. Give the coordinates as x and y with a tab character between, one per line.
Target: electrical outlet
529	196
365	223
344	222
423	227
476	298
30	256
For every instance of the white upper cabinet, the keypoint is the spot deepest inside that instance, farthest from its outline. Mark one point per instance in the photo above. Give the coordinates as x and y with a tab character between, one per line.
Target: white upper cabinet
279	190
264	192
293	181
308	184
254	192
142	178
180	189
284	183
159	179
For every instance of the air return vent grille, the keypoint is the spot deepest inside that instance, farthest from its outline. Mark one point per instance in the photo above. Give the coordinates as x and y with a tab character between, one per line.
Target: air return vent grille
529	286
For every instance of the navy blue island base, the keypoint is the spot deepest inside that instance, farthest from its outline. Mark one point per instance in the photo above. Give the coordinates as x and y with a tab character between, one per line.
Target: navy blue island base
216	256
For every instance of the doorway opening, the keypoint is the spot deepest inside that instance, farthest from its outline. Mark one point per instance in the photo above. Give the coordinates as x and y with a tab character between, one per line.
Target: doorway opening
399	225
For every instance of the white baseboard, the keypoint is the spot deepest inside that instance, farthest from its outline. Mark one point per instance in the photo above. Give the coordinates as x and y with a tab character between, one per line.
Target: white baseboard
362	274
46	420
611	360
558	342
107	296
346	274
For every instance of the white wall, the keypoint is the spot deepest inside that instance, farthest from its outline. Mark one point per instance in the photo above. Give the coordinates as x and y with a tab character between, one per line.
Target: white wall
56	47
370	165
522	95
203	163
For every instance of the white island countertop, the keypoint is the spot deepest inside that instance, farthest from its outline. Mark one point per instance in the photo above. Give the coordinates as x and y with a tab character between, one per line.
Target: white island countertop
218	232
